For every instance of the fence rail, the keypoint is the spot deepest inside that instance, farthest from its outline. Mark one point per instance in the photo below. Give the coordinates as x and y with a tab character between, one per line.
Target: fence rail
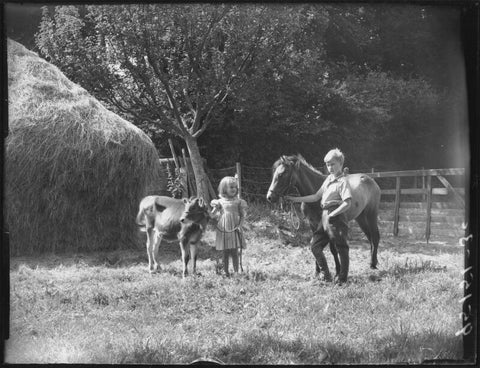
423	186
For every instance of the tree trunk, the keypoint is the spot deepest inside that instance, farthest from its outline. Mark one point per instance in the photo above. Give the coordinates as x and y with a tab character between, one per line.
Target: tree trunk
201	179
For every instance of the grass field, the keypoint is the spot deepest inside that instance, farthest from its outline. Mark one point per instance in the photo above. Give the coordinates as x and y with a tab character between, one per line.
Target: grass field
107	308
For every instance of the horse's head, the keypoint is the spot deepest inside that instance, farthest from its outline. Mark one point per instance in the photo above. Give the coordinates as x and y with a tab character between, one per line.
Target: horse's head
195	211
284	176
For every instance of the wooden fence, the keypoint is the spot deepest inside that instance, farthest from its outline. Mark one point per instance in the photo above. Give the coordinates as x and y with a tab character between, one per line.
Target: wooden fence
431	196
420	203
417	203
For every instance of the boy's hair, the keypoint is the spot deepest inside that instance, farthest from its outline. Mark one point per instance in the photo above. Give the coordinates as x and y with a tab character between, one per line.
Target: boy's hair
335	153
224	183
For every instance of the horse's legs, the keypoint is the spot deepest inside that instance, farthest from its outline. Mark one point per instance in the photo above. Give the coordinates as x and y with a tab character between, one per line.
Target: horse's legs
312	241
157	239
372	221
337	230
319	241
334	251
367	221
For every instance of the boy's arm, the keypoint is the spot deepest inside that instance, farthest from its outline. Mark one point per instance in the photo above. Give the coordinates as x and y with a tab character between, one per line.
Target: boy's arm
346	195
309	198
344	206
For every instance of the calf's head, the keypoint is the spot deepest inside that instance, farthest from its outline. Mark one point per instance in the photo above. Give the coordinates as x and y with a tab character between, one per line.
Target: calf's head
196	211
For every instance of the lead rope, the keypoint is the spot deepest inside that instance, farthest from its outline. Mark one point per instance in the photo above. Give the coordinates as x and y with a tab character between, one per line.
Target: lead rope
294	216
231	231
240	234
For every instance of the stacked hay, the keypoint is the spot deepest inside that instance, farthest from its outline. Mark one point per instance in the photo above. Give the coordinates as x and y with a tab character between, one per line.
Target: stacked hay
74	171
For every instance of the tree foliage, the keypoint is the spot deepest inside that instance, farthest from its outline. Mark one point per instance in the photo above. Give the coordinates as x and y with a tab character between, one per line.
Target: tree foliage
251	82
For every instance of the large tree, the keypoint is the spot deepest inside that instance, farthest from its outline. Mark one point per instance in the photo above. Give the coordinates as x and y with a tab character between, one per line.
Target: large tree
166	66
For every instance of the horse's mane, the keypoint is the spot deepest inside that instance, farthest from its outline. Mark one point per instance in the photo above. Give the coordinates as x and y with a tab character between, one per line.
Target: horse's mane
294	160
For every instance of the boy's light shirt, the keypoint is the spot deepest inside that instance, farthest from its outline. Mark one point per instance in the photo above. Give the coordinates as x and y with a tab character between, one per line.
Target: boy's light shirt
335	190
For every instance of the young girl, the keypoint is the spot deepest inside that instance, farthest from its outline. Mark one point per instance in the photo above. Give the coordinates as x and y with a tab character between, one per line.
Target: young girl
231	215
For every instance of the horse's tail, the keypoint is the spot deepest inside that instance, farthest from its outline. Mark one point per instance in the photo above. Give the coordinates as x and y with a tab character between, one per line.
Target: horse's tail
373	204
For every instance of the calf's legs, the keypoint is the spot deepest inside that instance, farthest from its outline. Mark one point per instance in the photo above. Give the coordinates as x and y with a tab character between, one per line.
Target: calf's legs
154	239
185	256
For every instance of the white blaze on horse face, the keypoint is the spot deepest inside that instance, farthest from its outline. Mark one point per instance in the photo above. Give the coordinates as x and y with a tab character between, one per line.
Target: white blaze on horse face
278	171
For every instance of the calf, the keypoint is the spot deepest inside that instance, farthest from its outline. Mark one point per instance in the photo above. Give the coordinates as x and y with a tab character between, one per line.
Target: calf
169	219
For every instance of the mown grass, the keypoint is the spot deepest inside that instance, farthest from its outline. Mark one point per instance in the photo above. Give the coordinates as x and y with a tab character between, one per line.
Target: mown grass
106	307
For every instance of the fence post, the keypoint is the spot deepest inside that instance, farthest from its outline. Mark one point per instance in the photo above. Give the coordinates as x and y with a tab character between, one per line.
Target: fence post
239	178
423	185
429	207
396	215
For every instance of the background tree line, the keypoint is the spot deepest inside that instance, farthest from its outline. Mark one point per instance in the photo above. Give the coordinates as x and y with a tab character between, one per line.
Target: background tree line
251	82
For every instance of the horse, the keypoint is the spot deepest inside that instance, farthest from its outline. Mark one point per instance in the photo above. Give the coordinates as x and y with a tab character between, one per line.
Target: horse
294	172
165	218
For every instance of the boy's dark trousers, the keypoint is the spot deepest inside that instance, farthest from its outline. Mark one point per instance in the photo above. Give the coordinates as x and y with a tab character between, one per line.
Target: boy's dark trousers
334	231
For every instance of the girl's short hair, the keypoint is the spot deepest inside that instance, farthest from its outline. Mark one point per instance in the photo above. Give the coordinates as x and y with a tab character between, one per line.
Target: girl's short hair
224	183
335	154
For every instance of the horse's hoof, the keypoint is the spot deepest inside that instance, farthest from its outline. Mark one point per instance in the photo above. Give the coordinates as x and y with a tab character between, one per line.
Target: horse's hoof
373	267
326	278
319	282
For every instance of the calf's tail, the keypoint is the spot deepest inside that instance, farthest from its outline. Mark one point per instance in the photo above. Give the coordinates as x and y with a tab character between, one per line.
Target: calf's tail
140	220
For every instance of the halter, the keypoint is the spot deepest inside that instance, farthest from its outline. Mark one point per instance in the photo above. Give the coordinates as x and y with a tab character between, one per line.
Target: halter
293	210
290	179
199	212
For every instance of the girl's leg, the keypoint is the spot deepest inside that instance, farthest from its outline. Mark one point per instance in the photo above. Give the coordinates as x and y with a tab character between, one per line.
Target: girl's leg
234	253
225	261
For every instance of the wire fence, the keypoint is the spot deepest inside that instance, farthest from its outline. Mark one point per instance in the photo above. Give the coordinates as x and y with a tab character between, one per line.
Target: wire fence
255	181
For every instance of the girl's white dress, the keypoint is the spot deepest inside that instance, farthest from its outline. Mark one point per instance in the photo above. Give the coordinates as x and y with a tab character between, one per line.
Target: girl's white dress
231	210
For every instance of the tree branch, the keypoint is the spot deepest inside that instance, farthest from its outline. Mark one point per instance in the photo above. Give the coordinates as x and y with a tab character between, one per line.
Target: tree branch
171	99
214	21
206	120
160	75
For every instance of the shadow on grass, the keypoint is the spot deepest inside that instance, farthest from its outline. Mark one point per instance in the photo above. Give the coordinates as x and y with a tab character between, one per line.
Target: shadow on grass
404	347
168	252
260	347
159	355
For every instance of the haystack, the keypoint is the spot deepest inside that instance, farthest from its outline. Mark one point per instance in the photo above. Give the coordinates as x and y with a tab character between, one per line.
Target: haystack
74	171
